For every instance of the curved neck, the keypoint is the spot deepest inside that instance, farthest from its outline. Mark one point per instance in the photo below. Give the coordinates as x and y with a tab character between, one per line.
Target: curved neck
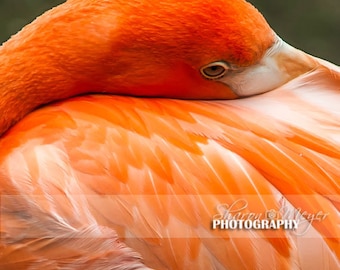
38	64
27	83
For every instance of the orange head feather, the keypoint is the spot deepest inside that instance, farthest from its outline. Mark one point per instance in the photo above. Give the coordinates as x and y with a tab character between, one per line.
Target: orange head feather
142	48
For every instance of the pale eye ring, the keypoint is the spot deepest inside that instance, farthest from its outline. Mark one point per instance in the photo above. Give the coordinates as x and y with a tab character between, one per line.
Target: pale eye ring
215	70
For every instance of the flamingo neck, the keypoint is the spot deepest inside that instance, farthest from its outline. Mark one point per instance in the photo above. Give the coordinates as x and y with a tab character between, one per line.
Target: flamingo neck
30	78
39	66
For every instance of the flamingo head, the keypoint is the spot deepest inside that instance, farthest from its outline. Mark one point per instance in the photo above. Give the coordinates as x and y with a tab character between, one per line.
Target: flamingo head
198	49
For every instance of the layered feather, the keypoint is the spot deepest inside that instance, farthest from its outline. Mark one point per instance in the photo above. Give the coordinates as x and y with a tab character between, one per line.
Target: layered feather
78	175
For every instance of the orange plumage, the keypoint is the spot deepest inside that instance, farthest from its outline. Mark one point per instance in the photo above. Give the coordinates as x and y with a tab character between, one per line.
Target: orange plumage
116	182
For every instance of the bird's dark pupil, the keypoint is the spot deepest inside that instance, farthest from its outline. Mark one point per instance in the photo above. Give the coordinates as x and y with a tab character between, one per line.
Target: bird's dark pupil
213	71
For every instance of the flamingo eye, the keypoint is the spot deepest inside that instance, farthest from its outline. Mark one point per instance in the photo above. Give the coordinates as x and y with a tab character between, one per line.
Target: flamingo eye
215	70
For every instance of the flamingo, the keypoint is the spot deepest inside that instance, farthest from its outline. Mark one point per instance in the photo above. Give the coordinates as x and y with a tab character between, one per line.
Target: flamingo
130	129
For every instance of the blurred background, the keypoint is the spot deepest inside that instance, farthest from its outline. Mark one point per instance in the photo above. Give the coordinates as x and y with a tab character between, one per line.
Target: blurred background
311	25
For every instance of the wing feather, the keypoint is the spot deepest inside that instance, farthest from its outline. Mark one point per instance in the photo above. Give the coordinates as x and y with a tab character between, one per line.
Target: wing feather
83	173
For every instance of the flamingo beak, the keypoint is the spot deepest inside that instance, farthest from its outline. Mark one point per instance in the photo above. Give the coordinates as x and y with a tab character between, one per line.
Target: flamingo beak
280	64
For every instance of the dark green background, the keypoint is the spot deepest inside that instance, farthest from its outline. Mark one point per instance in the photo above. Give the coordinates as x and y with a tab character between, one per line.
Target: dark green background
311	25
